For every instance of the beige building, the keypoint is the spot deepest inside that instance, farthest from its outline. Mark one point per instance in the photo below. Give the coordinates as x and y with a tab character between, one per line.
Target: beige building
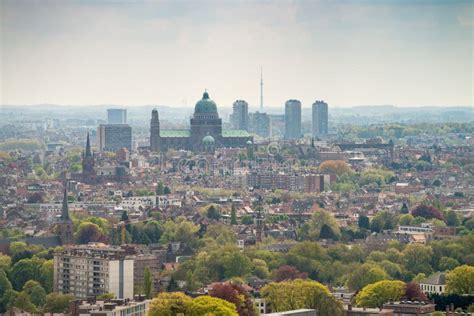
94	269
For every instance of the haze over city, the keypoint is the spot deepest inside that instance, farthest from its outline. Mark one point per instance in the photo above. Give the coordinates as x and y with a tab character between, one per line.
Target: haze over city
404	53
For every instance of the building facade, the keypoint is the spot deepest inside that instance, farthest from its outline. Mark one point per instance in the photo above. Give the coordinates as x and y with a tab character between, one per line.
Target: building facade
320	118
293	119
204	135
94	269
116	116
113	137
260	124
240	115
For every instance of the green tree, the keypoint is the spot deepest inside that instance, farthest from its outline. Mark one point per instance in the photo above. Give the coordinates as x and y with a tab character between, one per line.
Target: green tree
406	220
247	220
337	167
148	283
208	305
312	230
180	230
36	292
124	216
236	264
25	270
379	293
417	258
213	212
363	222
105	296
461	280
160	188
5	262
89	232
404	209
260	268
447	263
17	246
233	215
57	302
46	275
298	294
365	274
5	286
169	304
452	218
22	301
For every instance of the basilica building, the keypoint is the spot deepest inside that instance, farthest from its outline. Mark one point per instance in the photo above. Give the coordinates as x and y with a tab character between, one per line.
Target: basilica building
205	133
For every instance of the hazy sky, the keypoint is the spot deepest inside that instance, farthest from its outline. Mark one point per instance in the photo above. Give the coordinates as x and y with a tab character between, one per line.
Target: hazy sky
401	52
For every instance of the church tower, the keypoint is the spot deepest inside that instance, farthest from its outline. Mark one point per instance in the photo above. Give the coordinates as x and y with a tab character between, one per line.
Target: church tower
154	131
259	224
65	228
88	163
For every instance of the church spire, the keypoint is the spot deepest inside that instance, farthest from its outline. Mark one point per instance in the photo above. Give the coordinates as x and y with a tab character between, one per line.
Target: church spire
88	146
65	209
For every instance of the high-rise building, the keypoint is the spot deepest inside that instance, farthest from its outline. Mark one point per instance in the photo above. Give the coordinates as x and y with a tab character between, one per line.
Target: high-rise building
113	137
93	269
292	119
320	118
260	124
240	115
154	131
116	116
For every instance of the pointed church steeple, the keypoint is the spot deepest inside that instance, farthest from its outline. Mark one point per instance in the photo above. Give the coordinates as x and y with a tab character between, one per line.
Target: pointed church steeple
88	146
65	209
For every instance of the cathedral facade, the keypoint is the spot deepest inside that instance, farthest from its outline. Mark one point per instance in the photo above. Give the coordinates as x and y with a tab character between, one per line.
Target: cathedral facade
205	133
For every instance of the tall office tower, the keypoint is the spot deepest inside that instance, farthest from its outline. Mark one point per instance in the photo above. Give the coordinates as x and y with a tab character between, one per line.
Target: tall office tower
113	137
320	118
93	269
260	124
117	116
240	115
292	119
154	131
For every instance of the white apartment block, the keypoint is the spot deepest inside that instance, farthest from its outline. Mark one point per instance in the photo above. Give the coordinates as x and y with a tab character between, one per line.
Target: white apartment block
94	269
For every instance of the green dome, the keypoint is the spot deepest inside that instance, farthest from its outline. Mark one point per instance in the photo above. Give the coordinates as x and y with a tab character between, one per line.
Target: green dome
205	105
208	140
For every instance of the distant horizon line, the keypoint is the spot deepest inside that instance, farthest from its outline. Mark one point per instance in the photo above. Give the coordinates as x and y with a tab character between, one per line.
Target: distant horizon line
228	107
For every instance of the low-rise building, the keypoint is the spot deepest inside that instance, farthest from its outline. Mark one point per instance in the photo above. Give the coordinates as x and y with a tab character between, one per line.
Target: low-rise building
434	284
120	307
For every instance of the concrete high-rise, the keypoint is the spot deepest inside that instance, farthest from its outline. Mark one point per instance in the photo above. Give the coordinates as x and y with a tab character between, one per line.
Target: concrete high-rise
240	115
116	116
260	124
93	269
320	118
154	131
292	119
113	137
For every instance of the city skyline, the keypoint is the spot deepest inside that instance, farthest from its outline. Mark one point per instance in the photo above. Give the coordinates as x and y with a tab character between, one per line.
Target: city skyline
140	53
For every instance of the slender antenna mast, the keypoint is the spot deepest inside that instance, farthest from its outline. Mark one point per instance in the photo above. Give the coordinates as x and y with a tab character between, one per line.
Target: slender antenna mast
261	89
